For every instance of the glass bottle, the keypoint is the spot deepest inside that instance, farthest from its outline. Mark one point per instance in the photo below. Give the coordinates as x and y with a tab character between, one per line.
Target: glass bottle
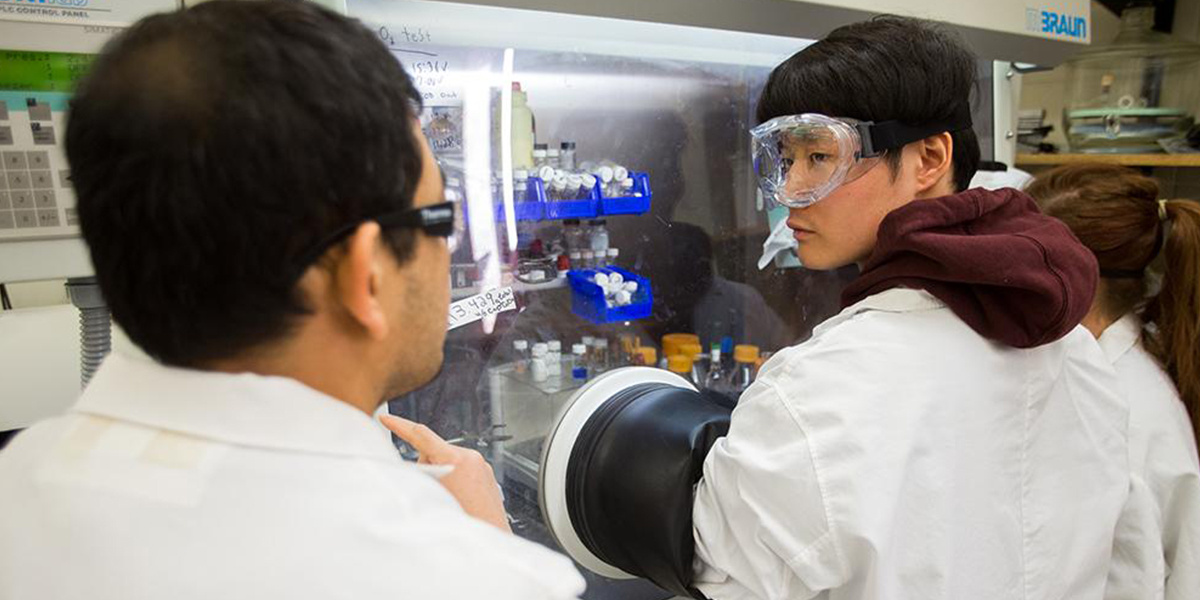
745	357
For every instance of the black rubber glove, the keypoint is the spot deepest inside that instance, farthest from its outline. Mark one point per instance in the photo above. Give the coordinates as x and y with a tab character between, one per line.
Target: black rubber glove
631	479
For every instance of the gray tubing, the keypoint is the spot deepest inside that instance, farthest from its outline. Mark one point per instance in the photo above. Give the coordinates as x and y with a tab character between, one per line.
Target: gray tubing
95	326
95	341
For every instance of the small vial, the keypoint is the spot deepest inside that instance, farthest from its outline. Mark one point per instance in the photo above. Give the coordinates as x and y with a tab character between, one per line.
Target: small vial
566	156
554	357
604	174
520	185
539	155
552	156
576	259
575	186
546	173
589	259
589	183
579	355
560	189
521	349
538	366
627	188
601	360
612	260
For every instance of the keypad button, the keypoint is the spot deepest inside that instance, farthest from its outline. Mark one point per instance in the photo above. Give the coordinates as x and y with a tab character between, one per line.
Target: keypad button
38	159
18	180
72	216
64	177
26	219
39	112
48	218
14	159
44	199
43	135
4	201
6	220
41	180
21	200
6	136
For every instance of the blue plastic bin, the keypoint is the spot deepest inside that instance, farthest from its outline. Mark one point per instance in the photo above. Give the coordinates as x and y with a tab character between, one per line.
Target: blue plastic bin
587	299
630	205
529	208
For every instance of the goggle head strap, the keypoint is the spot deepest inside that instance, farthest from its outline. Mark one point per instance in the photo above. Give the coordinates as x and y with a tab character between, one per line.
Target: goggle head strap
878	138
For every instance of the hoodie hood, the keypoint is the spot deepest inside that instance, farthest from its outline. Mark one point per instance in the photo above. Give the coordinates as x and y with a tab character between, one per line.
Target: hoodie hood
1012	274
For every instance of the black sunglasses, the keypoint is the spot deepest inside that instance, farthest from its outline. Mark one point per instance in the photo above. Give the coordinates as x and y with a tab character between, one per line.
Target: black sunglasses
435	219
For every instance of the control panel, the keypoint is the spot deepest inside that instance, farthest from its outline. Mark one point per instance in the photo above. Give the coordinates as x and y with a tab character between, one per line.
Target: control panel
36	199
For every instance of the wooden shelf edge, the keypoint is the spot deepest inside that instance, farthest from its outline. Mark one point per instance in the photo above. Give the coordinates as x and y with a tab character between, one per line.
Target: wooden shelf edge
1129	160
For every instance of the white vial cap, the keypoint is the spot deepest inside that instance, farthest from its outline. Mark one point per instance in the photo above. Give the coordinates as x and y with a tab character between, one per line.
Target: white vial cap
587	340
589	180
520	344
624	298
578	349
620	173
628	183
602	343
552	152
520	174
605	174
546	173
575	181
575	255
540	349
554	345
588	254
601	279
539	153
613	252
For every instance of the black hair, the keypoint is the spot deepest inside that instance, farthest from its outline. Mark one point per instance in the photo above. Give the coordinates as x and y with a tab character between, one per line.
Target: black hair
211	147
886	68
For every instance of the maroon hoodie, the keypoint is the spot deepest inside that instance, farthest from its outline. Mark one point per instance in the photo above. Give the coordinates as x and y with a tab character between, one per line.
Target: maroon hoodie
1012	274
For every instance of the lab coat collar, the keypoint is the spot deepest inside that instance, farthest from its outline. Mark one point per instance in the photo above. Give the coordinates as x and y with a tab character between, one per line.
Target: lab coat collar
244	409
896	300
1120	337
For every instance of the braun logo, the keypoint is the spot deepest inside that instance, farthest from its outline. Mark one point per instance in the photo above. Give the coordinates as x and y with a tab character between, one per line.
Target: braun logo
1055	23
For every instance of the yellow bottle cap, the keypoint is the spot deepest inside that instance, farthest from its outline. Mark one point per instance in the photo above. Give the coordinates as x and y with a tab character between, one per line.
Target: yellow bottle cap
691	350
745	353
649	355
678	363
672	341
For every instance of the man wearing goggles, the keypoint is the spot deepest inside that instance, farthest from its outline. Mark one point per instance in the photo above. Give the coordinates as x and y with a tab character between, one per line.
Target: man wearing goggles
953	433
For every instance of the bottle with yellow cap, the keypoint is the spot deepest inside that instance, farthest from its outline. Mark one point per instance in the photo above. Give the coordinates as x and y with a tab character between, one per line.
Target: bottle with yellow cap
695	354
680	365
745	358
645	356
671	342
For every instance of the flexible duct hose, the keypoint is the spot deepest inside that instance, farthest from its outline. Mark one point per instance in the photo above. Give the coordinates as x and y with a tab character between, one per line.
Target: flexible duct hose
95	326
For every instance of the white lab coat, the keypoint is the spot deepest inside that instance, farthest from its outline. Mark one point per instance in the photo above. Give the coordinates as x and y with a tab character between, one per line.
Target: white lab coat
1156	553
899	455
171	483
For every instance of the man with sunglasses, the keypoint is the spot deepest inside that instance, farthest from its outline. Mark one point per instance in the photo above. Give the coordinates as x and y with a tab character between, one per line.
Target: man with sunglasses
952	433
267	223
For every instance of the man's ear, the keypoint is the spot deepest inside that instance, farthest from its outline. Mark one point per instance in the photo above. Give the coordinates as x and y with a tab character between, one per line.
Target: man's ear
935	162
358	279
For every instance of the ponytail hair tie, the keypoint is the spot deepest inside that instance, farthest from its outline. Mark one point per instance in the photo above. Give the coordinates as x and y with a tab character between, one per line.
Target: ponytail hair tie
1162	210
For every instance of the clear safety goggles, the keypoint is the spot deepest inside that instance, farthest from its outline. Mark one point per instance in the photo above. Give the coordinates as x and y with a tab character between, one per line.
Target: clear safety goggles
800	159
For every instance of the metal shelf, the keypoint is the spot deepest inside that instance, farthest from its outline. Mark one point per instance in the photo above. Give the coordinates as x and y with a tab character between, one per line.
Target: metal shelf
1129	160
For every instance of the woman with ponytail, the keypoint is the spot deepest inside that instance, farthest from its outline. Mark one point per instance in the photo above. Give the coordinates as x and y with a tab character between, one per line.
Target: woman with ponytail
1146	317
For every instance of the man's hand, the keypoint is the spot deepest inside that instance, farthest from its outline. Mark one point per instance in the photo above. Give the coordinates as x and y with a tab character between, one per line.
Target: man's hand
471	482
